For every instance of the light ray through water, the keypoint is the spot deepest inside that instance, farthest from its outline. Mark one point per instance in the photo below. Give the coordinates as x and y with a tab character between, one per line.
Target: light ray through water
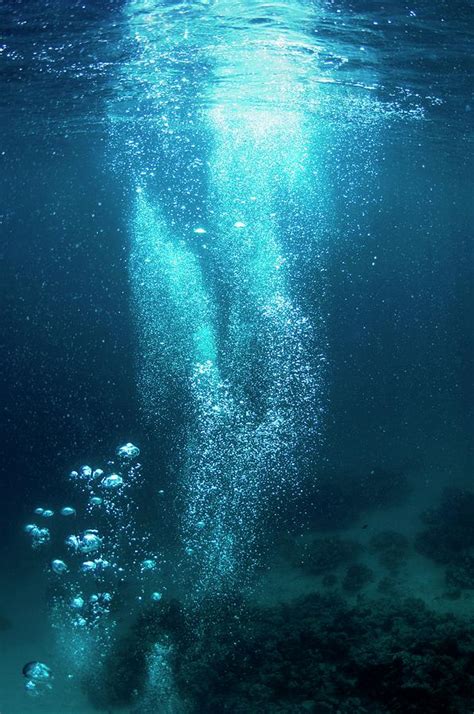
212	264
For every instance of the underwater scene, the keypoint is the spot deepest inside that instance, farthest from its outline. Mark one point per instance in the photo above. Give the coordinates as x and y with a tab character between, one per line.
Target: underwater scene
237	337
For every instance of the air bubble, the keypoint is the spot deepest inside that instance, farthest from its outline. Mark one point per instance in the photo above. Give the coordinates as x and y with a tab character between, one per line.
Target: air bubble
87	542
39	536
148	564
88	566
37	672
77	602
68	511
59	567
128	451
112	482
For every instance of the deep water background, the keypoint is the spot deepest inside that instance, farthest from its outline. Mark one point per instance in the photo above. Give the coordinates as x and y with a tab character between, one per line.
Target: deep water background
399	326
397	300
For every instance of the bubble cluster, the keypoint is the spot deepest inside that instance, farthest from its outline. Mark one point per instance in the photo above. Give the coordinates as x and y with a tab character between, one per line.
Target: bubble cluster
39	536
39	677
92	561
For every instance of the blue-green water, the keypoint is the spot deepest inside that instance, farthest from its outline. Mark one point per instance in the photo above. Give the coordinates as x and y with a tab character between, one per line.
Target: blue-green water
239	235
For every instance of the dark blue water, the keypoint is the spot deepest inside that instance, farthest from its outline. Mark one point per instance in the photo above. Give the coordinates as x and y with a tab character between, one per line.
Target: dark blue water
239	235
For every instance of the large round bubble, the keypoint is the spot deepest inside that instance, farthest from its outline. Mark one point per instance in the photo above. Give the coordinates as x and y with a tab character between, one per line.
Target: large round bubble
37	672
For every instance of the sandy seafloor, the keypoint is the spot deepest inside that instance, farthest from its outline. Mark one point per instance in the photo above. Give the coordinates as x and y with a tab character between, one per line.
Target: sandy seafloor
26	631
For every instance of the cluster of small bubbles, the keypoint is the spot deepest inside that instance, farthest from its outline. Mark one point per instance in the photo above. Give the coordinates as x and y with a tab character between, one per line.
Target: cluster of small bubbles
39	536
101	564
147	565
59	566
156	596
32	688
37	671
128	452
100	557
39	678
86	542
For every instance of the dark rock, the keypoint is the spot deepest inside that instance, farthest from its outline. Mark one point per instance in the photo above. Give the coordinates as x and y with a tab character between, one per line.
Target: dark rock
460	574
449	528
391	548
323	555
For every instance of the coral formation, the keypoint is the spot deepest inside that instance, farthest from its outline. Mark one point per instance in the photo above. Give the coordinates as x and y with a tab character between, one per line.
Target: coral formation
318	654
449	528
357	577
460	573
391	549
